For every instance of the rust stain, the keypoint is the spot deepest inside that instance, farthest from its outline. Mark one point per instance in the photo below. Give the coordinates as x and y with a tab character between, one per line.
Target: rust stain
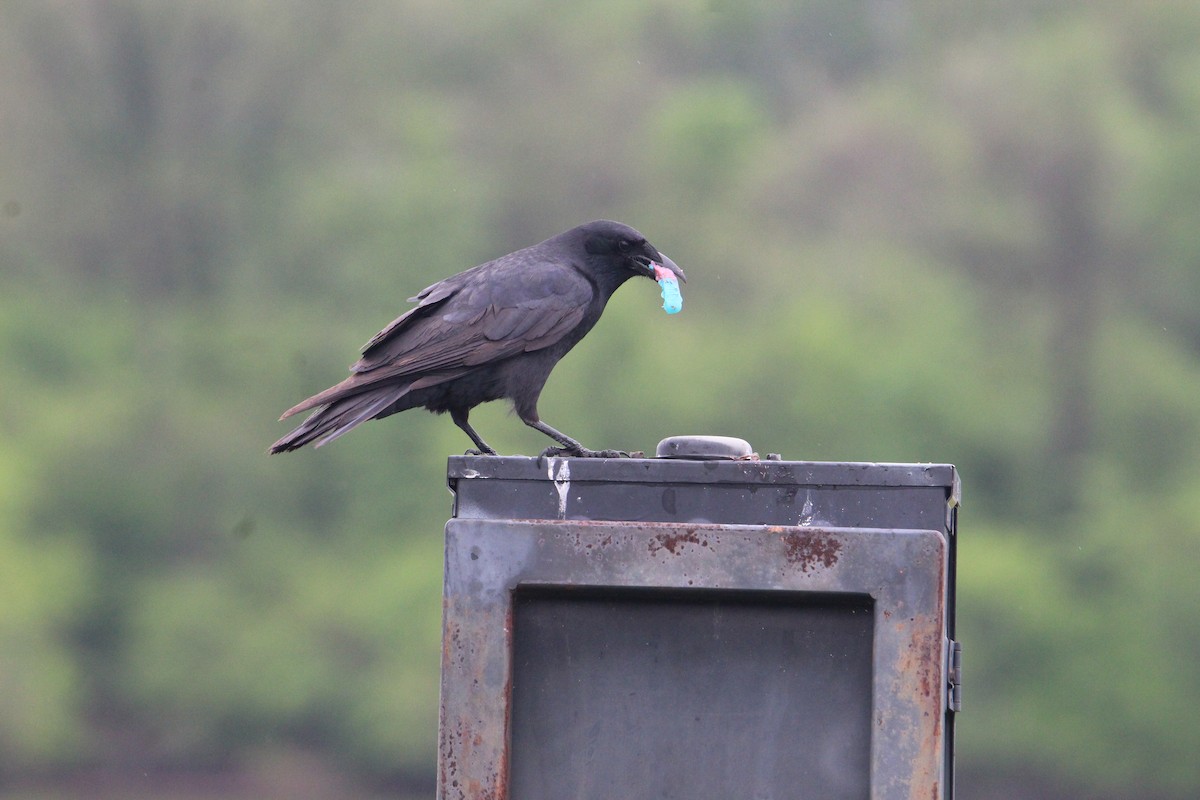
586	545
448	768
453	652
469	767
491	786
500	779
809	550
921	660
674	542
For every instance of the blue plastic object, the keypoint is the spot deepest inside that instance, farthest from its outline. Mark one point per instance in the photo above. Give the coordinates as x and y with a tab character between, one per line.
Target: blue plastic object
672	299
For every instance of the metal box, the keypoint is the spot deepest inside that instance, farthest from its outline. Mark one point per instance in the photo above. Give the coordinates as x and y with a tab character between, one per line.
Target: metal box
670	628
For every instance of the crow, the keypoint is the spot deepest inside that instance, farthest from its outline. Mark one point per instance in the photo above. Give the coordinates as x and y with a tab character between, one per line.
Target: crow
494	331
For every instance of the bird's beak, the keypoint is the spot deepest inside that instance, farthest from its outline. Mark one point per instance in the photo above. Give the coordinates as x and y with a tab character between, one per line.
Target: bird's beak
671	265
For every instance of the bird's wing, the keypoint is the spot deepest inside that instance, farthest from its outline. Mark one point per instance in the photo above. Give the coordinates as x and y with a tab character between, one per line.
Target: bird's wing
495	311
489	313
432	296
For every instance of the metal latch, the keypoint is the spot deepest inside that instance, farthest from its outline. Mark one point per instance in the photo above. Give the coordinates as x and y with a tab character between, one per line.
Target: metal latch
953	676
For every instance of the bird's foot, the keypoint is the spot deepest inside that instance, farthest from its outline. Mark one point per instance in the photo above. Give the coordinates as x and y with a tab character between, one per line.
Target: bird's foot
583	452
474	452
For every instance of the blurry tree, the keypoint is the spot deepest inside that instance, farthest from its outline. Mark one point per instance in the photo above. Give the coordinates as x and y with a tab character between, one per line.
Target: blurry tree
914	233
152	132
1046	118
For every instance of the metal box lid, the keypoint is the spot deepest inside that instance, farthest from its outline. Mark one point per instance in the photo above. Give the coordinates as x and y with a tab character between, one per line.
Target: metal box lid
761	492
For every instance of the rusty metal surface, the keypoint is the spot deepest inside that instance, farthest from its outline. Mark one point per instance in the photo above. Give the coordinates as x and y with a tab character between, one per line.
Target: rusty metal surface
904	572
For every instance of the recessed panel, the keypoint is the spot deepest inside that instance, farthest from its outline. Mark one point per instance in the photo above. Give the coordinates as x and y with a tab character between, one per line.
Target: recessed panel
624	694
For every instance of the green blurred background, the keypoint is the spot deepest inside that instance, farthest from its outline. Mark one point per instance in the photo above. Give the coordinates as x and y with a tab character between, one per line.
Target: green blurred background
916	231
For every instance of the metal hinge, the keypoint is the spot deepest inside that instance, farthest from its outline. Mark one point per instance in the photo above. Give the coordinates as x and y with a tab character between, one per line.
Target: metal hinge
953	676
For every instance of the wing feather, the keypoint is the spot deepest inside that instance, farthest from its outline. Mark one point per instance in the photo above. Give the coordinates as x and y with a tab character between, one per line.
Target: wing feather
498	310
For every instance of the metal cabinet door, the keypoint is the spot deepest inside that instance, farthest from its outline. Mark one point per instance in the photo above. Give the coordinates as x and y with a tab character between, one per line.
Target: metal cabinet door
661	660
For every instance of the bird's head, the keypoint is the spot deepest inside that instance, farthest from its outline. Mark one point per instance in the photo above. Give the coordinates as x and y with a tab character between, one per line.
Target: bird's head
624	248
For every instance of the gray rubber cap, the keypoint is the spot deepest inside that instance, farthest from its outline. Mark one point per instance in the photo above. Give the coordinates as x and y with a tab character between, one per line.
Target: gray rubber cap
704	448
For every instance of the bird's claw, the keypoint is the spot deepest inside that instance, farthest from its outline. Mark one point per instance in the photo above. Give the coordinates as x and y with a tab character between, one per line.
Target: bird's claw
583	452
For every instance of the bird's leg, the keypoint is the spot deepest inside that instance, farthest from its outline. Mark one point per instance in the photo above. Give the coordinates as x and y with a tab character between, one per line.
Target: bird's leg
570	447
460	419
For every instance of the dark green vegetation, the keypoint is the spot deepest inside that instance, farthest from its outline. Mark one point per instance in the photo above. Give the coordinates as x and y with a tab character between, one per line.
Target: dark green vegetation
958	232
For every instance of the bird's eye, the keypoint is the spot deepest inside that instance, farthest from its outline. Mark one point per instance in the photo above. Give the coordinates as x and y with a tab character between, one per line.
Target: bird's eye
623	245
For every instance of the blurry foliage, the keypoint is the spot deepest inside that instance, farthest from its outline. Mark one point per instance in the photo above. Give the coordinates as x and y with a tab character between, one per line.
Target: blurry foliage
912	234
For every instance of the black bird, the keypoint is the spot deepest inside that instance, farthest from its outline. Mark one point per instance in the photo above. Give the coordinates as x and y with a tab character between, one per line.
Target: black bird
494	331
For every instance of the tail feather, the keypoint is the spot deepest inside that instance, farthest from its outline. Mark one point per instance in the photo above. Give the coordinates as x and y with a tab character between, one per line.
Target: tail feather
328	423
329	397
